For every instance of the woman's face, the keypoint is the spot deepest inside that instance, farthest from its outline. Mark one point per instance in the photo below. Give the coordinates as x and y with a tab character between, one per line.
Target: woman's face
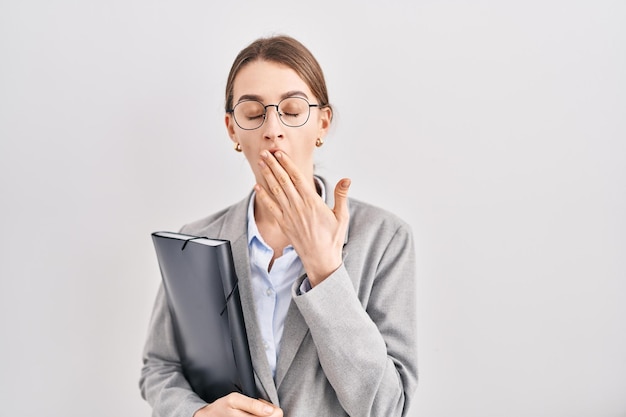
269	83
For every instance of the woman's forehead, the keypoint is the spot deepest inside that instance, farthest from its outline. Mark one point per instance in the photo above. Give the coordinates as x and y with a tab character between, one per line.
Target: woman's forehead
264	80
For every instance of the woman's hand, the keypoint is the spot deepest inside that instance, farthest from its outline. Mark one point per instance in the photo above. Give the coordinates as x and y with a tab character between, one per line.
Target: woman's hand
236	404
316	232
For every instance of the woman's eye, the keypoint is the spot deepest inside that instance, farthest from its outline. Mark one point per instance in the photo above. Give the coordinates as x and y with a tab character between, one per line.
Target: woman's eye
253	115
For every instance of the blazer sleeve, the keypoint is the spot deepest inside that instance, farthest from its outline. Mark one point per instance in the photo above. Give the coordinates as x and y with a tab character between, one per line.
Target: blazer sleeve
364	329
162	382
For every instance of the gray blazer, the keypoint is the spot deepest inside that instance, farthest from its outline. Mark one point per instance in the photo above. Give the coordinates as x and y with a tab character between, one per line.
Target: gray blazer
349	344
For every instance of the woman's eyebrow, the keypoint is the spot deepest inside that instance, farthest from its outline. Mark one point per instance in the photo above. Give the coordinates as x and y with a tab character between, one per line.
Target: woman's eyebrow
249	97
292	93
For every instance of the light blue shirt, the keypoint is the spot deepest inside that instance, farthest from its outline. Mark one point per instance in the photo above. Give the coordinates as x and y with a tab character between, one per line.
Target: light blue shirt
272	290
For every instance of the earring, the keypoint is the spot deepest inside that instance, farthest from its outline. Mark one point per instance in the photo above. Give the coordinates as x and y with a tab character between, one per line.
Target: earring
238	147
319	142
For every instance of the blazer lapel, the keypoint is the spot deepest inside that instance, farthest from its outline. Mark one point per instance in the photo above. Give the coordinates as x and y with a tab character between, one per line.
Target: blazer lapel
234	230
293	334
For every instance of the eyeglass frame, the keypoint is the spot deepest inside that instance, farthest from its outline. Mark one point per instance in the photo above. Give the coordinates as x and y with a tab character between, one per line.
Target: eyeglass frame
280	115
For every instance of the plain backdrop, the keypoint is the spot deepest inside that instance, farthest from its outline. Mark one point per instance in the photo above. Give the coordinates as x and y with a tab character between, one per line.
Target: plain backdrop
497	129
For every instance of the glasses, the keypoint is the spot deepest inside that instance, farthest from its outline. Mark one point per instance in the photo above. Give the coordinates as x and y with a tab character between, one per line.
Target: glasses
292	111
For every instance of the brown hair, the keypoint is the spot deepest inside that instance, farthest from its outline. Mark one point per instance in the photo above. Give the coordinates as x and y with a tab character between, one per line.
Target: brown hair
281	50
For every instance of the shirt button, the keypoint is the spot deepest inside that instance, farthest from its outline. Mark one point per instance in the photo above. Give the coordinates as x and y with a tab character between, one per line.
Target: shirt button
266	346
269	292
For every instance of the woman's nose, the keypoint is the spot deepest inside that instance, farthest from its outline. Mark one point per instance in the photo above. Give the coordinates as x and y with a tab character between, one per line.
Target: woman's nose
272	126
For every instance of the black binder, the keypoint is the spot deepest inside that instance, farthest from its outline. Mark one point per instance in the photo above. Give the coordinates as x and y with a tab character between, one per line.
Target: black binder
201	288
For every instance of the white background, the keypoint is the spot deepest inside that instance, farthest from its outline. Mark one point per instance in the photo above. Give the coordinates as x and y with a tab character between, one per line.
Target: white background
497	129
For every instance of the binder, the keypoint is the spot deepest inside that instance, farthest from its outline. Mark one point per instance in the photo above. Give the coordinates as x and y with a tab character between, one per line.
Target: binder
203	295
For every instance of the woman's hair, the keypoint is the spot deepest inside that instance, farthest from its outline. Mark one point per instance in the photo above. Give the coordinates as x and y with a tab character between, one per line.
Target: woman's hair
286	51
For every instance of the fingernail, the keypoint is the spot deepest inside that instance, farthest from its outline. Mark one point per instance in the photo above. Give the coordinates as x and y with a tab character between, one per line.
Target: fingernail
267	409
278	155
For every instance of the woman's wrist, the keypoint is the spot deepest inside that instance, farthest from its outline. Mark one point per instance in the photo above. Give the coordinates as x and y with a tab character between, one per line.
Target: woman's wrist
318	274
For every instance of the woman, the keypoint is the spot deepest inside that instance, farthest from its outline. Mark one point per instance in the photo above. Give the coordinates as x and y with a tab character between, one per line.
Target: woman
327	287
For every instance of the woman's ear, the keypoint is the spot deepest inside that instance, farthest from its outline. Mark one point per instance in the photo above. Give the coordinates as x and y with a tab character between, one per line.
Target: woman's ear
230	126
326	116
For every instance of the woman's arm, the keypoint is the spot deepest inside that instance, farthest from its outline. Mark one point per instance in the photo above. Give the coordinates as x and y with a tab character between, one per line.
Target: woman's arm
368	352
366	345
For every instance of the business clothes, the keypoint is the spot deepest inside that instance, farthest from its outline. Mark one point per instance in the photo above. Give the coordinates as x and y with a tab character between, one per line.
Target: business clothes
348	346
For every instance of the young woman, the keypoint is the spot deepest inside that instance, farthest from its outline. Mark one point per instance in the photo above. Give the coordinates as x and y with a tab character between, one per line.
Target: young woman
327	282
